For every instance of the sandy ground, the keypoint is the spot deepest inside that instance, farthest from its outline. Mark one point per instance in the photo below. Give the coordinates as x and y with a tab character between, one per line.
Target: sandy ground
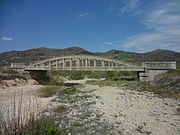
24	96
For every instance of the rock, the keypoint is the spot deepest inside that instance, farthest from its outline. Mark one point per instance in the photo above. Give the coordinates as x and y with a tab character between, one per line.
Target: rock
31	82
62	79
17	80
9	83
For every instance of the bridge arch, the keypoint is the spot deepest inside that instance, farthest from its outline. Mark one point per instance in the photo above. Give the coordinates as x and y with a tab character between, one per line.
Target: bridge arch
83	62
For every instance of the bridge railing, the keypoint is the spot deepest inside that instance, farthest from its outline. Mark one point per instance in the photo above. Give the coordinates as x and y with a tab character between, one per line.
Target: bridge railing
159	65
86	68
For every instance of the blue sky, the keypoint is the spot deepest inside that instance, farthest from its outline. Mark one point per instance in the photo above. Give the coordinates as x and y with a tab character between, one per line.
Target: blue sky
95	25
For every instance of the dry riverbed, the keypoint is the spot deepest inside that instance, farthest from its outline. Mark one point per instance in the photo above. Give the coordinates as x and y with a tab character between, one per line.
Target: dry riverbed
102	110
105	110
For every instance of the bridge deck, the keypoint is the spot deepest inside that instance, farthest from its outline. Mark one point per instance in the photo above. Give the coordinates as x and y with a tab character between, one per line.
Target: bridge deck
86	69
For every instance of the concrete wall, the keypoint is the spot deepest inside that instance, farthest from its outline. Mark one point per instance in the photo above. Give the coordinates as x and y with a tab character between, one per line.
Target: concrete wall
148	75
151	69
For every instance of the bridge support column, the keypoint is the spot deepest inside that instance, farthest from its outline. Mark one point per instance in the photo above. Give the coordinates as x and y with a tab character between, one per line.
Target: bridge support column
102	64
89	62
56	64
109	64
63	63
43	65
70	63
49	65
82	60
78	63
112	64
86	62
94	63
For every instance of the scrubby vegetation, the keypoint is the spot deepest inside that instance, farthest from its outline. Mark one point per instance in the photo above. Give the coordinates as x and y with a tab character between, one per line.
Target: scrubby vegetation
55	80
60	108
76	75
172	73
9	74
48	91
68	91
16	120
42	126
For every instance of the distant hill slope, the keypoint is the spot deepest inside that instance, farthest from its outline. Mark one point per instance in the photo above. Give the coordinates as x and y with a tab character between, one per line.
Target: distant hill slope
157	55
37	54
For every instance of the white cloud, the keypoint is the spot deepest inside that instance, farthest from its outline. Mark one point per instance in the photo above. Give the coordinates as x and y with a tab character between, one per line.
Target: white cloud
6	38
131	6
109	43
83	14
151	41
164	22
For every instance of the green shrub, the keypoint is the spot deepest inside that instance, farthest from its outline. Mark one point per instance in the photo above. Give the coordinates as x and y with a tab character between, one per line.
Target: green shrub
9	71
110	74
43	126
78	123
68	91
77	75
171	73
48	91
96	74
60	109
55	80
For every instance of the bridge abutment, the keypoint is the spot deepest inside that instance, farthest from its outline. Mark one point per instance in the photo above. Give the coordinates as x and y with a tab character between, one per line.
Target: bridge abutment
149	75
39	75
151	69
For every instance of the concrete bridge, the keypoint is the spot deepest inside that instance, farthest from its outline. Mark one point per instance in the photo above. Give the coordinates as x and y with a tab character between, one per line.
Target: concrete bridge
146	72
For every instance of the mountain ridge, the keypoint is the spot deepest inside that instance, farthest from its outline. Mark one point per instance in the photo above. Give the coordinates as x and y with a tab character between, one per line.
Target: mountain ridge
36	54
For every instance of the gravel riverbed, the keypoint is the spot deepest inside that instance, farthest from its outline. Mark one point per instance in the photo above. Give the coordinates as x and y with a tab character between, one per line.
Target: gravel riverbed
105	110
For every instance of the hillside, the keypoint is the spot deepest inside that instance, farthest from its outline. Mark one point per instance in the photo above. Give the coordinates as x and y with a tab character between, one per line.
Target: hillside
156	55
37	54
